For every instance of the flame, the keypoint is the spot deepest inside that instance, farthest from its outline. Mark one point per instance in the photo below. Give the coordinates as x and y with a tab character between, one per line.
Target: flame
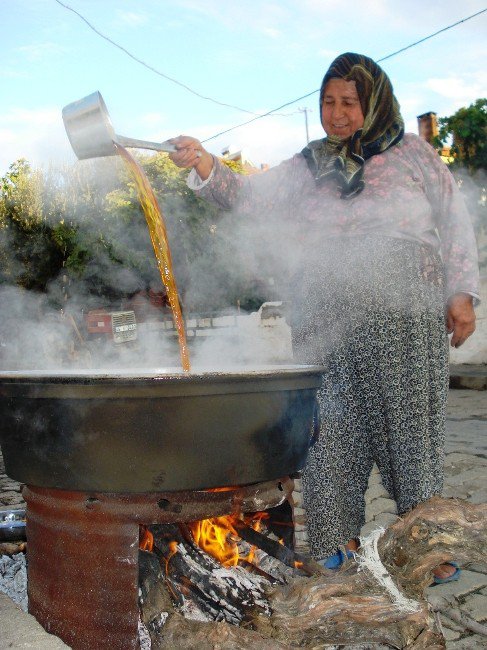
173	547
218	537
146	539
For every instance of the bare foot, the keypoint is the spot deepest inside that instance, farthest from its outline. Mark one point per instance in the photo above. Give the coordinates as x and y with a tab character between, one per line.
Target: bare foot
444	571
352	545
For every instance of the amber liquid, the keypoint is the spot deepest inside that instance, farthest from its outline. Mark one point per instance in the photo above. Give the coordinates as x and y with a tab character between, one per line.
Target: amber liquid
158	235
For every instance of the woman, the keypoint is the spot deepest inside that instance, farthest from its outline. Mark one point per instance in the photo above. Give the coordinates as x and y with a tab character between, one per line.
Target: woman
387	250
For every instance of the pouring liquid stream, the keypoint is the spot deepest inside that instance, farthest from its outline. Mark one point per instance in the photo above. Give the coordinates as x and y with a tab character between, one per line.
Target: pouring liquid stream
158	235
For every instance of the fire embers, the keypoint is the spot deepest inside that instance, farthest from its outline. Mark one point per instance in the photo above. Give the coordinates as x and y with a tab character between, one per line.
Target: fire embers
206	571
219	537
146	539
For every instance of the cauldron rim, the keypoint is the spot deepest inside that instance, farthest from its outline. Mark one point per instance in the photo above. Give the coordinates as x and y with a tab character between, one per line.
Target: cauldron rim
156	374
156	432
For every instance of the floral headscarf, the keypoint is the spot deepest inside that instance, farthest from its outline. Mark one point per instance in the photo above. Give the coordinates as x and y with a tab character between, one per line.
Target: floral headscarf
343	159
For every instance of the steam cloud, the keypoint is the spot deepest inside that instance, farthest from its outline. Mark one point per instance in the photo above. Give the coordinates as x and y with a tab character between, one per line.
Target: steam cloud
34	335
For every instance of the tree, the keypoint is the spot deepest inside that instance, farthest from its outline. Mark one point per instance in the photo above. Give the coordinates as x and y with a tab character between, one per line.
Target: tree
467	129
209	263
27	250
83	225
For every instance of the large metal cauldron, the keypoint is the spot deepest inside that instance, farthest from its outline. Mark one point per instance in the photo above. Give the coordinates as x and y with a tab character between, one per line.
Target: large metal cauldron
144	432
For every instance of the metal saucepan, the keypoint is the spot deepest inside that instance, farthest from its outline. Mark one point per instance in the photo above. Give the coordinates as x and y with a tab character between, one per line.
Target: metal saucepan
91	133
12	524
149	432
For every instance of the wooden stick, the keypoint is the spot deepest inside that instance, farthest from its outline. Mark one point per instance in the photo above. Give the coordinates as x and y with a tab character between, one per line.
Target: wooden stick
460	617
280	552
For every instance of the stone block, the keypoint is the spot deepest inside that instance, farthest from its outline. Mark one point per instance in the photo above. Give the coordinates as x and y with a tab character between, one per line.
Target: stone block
468	476
476	606
463	461
11	499
471	642
301	534
385	519
368	528
298	485
300	520
375	478
479	496
456	492
451	625
470	581
297	500
375	491
21	630
8	485
450	635
379	506
302	548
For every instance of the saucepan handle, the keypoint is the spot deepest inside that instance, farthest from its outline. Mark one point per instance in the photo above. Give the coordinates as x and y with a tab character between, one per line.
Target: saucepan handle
144	144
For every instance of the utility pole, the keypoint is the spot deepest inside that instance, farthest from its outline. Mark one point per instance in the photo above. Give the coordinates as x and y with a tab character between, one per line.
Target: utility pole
305	111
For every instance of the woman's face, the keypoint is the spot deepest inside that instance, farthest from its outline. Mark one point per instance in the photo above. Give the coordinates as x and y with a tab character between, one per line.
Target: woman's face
341	113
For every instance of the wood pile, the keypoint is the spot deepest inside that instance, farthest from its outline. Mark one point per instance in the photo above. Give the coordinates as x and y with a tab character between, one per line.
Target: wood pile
189	600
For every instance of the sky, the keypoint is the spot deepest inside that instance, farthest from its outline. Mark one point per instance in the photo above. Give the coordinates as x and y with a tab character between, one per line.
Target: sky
253	55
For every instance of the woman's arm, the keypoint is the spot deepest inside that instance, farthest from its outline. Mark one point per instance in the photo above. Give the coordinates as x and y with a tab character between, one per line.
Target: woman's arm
275	192
460	318
191	153
458	245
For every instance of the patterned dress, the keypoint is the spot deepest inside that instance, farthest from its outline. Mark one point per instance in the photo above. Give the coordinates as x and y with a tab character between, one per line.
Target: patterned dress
368	290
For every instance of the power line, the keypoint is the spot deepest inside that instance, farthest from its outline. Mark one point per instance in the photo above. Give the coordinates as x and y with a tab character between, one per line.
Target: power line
403	49
150	67
388	56
258	116
293	101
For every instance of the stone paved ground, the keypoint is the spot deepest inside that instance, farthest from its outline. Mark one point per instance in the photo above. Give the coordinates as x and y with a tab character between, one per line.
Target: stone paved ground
466	477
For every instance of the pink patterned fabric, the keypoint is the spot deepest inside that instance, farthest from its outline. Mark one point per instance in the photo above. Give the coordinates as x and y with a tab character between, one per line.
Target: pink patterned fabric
409	194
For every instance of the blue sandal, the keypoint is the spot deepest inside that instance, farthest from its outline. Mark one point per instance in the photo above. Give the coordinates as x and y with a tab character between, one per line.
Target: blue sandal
336	560
454	576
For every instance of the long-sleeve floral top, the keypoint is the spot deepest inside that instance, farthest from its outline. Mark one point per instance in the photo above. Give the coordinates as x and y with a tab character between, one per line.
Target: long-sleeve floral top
409	194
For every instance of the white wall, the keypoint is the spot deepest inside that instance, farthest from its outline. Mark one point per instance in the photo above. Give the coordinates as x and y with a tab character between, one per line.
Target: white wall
275	336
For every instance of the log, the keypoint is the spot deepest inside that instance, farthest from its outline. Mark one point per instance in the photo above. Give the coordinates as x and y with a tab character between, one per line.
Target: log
377	600
181	634
11	548
436	531
286	555
347	608
201	586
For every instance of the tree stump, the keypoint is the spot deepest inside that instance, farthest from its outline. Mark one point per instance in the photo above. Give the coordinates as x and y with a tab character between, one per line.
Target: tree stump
377	598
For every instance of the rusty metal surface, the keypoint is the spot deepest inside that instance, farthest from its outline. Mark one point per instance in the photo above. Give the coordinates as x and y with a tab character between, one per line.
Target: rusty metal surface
151	433
83	554
82	574
158	507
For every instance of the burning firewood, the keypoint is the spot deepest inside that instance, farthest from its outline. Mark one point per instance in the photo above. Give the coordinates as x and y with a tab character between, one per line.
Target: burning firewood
377	598
286	555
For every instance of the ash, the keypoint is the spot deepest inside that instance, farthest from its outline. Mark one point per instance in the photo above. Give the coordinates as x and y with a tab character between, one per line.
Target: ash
13	578
144	636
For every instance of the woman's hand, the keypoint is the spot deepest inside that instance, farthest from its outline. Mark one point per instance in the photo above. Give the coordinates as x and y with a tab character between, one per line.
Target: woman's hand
190	153
460	318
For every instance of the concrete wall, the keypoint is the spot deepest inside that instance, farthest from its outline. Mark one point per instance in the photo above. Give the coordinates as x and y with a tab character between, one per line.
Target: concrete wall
274	337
